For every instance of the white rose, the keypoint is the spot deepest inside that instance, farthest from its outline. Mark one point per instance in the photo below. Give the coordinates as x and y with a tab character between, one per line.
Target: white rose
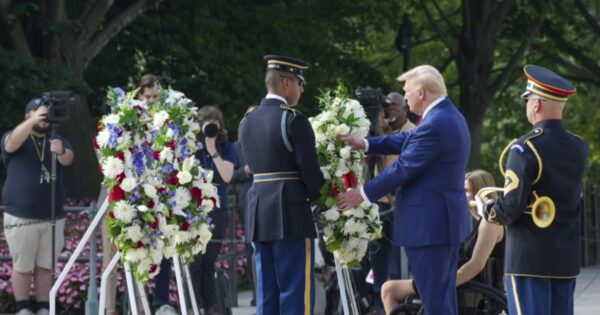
184	177
342	129
150	191
128	184
345	153
331	214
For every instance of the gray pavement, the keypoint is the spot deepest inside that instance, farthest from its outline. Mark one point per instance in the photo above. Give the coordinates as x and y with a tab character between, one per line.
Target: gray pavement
587	295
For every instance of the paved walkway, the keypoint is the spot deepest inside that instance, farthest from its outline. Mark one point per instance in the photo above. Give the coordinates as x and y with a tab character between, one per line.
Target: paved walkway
587	295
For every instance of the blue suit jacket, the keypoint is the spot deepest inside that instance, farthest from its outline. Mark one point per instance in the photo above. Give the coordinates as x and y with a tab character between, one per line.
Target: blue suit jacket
428	177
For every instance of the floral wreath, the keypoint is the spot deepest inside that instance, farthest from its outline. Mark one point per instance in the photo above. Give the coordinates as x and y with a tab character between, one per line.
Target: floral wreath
158	194
346	234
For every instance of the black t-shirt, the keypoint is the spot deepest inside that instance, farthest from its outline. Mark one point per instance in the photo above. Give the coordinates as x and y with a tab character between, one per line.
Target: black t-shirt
27	189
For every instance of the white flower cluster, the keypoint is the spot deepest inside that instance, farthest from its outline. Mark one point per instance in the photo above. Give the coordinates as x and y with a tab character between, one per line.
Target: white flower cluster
346	234
159	194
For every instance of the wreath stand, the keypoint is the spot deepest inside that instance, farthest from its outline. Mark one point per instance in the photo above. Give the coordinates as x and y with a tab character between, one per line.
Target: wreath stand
132	286
347	294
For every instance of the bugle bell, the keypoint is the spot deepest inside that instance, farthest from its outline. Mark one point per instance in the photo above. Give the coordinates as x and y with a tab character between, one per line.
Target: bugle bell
542	211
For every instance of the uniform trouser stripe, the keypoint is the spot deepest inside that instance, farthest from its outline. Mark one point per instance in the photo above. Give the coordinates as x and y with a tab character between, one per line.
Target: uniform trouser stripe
515	295
285	277
307	277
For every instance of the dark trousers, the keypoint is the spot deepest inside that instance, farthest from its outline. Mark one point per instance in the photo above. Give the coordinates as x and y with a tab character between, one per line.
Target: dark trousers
529	295
285	277
203	268
434	270
161	283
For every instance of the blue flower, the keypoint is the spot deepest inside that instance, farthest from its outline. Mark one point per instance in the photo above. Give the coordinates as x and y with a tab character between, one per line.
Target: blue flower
138	162
167	169
119	91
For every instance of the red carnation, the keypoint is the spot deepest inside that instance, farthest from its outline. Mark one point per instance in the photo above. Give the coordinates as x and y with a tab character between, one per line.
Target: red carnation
350	180
196	194
153	268
155	155
120	177
171	145
185	226
150	203
120	156
111	214
214	200
154	224
172	180
95	143
139	244
116	194
161	190
334	191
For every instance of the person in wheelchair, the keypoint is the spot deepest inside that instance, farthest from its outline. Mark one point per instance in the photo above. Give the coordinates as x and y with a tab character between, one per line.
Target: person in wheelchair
485	241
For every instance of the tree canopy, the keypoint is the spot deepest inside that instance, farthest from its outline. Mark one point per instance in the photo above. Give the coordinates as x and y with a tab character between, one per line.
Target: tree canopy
212	51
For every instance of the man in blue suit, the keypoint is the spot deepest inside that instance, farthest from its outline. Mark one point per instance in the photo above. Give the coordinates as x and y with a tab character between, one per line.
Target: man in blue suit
430	219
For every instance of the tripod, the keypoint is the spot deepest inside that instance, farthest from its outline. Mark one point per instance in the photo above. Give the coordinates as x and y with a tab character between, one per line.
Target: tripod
53	200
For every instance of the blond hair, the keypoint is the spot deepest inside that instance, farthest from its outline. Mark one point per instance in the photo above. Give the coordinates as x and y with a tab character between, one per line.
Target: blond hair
479	179
427	77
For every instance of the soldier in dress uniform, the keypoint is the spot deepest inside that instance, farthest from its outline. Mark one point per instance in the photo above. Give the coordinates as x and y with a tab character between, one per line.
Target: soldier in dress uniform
279	145
542	261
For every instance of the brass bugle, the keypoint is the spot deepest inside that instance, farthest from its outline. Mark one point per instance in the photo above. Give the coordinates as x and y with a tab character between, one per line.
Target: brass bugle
542	211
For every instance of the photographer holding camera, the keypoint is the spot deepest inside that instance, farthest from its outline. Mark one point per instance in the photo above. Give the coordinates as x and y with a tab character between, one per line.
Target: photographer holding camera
215	154
27	155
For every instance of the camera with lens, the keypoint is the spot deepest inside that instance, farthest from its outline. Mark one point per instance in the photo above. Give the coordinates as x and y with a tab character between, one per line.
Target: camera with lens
373	100
59	104
210	129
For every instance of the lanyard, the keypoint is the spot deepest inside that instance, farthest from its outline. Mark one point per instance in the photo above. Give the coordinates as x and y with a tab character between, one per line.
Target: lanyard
41	153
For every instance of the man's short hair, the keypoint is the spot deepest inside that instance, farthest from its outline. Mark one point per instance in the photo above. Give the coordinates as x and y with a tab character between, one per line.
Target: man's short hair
428	78
148	81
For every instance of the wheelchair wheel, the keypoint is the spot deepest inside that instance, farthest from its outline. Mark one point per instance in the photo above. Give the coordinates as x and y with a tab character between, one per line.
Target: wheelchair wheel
476	298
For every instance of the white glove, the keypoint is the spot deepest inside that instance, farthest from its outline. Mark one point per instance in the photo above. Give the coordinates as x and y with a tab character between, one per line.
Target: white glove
480	207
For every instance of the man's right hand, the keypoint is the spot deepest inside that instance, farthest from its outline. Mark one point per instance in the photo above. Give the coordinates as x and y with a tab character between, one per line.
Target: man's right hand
39	115
354	142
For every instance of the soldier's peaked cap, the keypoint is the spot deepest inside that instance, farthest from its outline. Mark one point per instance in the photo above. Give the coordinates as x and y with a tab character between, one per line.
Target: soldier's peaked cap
547	83
287	64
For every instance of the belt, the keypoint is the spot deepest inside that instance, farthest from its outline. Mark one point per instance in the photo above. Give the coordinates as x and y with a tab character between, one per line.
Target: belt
276	176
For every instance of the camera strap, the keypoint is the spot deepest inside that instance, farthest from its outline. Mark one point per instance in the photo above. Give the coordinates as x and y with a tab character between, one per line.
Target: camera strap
41	154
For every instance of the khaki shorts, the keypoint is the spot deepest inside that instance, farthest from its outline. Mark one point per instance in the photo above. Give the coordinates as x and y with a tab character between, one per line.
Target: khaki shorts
30	246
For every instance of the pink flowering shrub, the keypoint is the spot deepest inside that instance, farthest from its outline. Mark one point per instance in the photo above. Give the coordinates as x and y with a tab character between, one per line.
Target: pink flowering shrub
72	295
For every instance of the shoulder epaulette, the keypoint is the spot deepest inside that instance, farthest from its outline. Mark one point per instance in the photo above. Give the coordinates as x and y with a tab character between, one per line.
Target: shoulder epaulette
287	107
526	139
576	135
536	132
